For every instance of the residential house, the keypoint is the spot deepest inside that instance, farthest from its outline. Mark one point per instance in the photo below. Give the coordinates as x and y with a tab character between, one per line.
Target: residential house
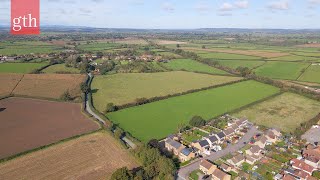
207	167
228	168
254	150
302	166
262	142
237	160
251	159
221	136
229	132
288	177
186	154
220	175
312	156
213	140
203	146
174	146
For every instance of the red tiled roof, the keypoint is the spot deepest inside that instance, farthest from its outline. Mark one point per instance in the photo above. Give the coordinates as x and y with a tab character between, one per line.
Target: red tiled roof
299	164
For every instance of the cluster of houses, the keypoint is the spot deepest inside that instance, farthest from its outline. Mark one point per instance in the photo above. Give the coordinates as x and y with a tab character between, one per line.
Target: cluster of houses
8	58
302	168
206	145
213	171
255	152
144	57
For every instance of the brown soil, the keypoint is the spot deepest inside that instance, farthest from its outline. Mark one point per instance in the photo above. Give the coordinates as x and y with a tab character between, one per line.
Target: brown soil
314	45
93	156
26	124
8	83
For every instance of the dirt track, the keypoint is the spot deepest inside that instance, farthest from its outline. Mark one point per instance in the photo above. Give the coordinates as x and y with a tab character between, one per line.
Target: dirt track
26	124
93	156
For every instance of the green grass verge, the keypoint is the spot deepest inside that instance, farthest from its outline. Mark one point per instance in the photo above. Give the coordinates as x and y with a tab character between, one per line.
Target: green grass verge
161	118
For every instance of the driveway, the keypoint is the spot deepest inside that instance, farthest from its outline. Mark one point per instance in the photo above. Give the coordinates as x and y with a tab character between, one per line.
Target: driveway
183	173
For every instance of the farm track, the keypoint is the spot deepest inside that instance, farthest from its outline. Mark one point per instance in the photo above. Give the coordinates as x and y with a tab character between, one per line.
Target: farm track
17	84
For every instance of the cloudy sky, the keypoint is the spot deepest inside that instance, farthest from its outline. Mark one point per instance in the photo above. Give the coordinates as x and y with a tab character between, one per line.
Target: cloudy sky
176	13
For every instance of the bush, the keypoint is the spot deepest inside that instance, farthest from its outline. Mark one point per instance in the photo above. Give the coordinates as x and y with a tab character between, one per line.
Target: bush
110	108
197	121
121	174
66	96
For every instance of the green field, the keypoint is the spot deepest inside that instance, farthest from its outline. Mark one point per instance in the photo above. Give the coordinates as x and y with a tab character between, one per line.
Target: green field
191	65
61	68
20	48
285	111
125	88
20	67
282	70
95	47
312	74
161	118
213	55
242	63
295	58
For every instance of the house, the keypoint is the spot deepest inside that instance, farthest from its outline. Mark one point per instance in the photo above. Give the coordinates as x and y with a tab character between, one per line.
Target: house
312	156
220	175
203	146
237	160
288	177
254	150
273	135
278	176
251	159
173	146
229	132
302	166
262	142
213	140
186	154
221	136
228	168
207	167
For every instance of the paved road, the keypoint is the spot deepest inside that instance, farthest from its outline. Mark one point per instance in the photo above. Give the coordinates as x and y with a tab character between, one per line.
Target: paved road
96	116
183	173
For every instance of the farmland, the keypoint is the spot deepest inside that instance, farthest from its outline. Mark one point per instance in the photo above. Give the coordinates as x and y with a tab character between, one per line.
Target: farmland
126	88
8	83
282	70
158	119
94	156
227	56
61	69
28	123
236	63
49	85
24	47
312	74
101	46
20	67
285	111
191	65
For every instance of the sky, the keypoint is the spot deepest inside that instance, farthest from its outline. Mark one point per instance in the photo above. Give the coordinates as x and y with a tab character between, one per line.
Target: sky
176	14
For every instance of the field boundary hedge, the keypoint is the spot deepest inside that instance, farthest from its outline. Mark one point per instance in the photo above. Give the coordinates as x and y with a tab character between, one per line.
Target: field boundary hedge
159	98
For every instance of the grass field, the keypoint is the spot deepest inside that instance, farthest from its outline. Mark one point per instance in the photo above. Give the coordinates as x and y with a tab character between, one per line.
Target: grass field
286	111
8	83
312	74
207	55
29	123
242	63
282	70
19	48
61	69
20	67
94	156
125	88
295	58
161	118
193	66
95	47
49	85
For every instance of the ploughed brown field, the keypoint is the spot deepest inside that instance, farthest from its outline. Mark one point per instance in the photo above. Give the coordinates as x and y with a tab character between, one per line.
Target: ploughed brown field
49	85
313	45
8	83
26	124
94	156
264	54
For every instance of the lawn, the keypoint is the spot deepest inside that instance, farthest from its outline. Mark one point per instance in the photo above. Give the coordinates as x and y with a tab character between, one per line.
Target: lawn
126	88
285	111
61	69
236	63
193	135
20	67
312	74
161	118
225	56
191	65
282	70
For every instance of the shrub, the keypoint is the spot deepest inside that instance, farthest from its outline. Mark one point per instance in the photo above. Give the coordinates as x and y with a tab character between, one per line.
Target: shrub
197	121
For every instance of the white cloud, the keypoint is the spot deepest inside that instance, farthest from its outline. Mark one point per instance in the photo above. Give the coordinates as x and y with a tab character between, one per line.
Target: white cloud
226	7
233	6
316	2
242	4
279	5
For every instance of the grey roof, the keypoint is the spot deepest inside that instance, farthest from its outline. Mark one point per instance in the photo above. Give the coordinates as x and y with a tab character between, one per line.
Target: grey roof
213	138
173	143
221	134
203	143
186	151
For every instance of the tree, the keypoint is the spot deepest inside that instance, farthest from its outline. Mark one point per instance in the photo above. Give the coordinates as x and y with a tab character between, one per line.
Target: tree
66	96
84	87
203	46
197	121
118	133
153	143
140	101
178	45
110	108
121	174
